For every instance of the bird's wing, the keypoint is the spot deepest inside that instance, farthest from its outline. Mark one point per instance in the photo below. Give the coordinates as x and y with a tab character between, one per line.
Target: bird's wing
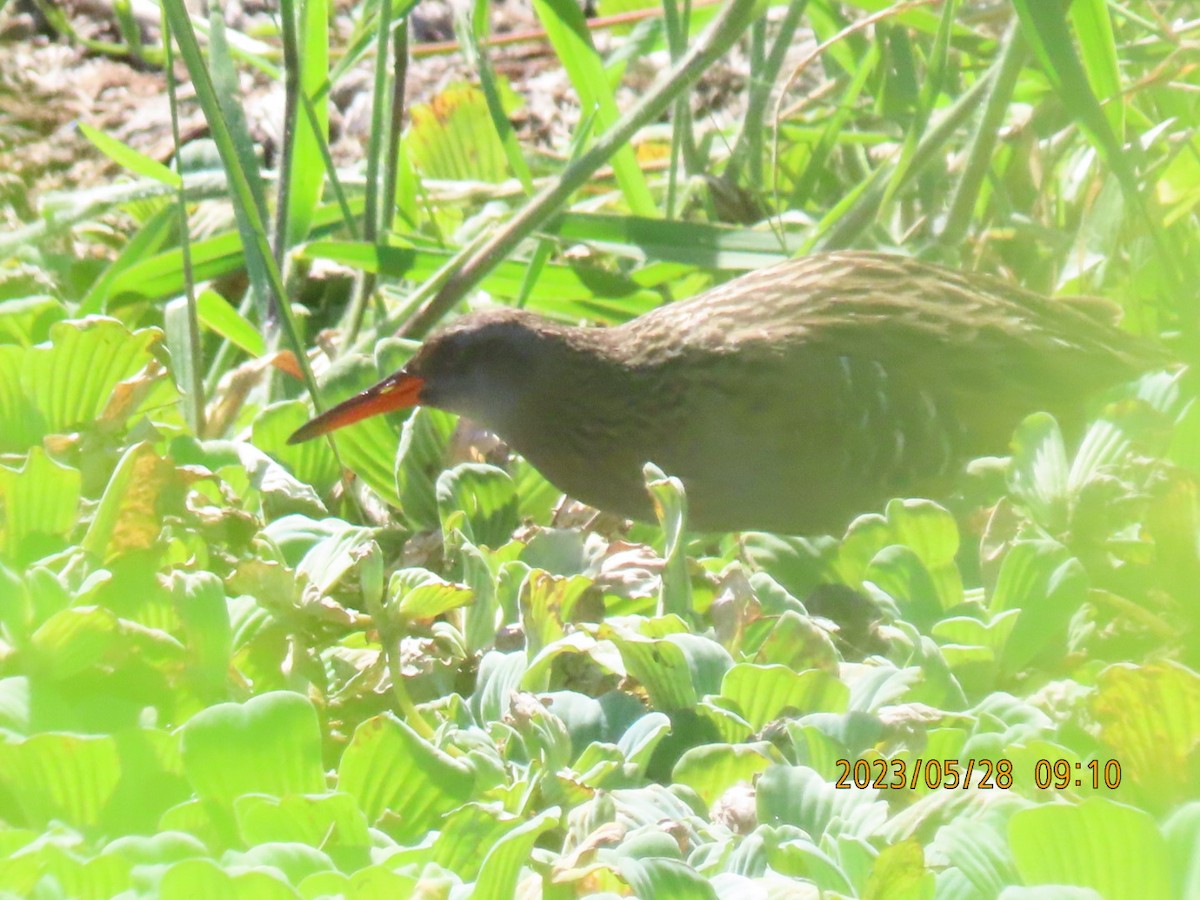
908	314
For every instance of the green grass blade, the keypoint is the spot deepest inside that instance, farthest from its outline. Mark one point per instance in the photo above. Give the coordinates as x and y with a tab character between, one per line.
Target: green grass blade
724	30
568	33
259	260
1098	53
307	159
124	155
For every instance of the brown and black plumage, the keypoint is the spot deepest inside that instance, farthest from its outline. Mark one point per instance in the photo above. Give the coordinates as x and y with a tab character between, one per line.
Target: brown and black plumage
787	399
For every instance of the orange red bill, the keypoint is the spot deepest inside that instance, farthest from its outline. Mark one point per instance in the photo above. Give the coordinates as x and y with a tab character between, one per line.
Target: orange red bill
398	391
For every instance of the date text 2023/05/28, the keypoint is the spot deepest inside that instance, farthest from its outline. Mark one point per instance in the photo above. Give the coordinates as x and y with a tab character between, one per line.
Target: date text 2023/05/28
982	774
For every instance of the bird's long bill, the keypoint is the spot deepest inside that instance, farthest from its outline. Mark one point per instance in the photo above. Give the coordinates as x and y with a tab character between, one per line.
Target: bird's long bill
398	391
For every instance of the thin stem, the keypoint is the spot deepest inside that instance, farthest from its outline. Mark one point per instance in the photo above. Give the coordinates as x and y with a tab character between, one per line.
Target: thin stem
291	89
725	29
396	122
366	280
979	160
195	400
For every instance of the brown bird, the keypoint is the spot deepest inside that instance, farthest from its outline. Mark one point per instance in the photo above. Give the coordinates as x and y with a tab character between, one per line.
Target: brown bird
786	400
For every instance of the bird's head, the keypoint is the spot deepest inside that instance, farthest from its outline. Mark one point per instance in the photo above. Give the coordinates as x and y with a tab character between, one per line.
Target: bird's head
478	366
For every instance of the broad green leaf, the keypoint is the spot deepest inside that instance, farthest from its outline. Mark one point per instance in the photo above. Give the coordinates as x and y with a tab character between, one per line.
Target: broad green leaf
797	795
1149	718
898	572
15	703
599	764
154	849
196	818
548	603
763	694
100	876
592	721
640	740
980	852
1039	475
417	594
465	836
502	864
657	876
331	821
1182	831
191	878
802	858
499	675
72	380
452	137
1047	584
662	669
676	670
799	564
25	321
536	496
711	722
420	459
538	674
965	631
480	501
293	861
402	783
712	769
483	615
931	533
74	640
41	503
331	558
271	744
926	529
200	602
376	882
900	872
70	777
312	462
24	424
865	537
129	517
1113	848
798	642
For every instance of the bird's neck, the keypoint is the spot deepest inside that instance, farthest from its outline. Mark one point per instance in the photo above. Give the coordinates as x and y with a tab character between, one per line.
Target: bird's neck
579	380
579	416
